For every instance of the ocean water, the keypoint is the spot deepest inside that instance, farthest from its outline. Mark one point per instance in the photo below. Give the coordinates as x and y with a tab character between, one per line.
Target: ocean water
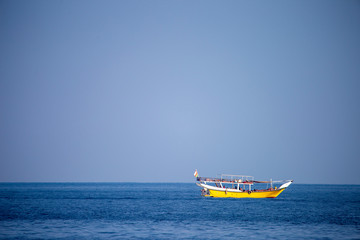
174	211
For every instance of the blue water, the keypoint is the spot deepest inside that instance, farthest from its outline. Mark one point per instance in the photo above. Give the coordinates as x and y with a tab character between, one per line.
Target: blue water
174	211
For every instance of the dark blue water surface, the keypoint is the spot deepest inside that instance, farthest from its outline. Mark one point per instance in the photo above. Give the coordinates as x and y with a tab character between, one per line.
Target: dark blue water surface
174	211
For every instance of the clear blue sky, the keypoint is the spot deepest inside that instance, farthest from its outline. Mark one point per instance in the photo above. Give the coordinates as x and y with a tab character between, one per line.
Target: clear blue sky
152	90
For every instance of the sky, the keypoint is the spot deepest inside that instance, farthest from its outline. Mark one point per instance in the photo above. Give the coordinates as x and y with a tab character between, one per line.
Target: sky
149	91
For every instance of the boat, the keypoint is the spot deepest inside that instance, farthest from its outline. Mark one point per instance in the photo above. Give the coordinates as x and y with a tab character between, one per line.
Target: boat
240	186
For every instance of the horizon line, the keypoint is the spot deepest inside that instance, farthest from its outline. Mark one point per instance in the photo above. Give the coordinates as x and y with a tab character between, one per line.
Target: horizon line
144	182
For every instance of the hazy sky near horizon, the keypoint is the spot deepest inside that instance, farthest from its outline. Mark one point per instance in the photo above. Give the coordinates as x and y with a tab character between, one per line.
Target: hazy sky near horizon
151	90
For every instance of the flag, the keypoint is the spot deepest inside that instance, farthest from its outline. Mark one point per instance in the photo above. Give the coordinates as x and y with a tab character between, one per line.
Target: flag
196	173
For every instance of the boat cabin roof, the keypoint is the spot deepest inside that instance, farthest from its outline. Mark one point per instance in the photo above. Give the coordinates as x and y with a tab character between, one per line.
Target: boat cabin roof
241	179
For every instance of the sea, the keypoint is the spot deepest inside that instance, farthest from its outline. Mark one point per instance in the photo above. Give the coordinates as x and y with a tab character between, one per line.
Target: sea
174	211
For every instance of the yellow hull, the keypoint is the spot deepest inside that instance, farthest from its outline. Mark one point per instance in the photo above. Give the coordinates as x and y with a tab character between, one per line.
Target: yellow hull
227	194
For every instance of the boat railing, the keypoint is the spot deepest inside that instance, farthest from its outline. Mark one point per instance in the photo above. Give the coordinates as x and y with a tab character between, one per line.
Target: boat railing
242	179
224	180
